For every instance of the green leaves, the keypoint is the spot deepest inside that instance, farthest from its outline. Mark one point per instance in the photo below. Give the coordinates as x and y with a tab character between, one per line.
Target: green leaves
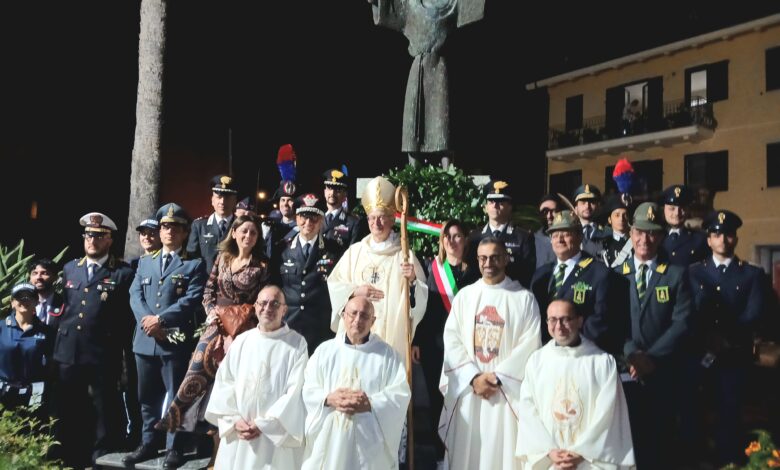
14	269
25	440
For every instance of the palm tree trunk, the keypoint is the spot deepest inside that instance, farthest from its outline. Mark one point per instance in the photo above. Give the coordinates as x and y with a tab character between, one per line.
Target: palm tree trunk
145	165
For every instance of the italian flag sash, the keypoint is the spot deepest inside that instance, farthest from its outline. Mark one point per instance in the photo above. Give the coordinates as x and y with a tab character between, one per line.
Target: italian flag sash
420	225
445	281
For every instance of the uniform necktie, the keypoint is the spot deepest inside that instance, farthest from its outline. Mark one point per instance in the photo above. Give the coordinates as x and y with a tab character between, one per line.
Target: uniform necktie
557	279
166	261
641	282
44	312
329	219
588	231
91	271
497	233
222	228
722	269
673	236
306	250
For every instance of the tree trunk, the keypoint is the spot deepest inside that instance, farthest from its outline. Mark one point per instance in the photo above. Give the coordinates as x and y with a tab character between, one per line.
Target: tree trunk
145	166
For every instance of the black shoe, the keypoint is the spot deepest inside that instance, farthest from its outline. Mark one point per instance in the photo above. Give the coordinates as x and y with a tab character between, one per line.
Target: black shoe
173	459
143	452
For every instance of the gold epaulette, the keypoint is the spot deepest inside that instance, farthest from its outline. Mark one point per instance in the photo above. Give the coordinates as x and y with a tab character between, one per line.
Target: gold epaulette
626	268
661	268
584	263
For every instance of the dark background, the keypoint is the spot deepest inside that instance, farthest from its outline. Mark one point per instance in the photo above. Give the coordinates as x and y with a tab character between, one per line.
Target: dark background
316	74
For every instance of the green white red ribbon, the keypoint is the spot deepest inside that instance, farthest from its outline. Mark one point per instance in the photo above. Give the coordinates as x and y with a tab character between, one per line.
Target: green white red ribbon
445	281
419	225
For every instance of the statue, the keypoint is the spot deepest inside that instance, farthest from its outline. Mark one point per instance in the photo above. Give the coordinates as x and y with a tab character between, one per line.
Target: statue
425	23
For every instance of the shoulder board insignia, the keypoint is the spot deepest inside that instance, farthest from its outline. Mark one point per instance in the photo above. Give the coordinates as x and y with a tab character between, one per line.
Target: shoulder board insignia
626	268
156	254
661	268
81	261
585	262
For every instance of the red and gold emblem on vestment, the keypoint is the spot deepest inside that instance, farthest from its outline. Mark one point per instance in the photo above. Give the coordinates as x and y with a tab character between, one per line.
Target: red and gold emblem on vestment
488	330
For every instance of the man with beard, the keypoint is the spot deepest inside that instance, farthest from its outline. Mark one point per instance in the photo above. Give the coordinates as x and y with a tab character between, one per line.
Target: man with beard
43	273
587	200
88	348
548	207
208	232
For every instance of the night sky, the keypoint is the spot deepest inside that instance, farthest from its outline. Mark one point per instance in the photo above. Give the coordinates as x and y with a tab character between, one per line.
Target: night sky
317	74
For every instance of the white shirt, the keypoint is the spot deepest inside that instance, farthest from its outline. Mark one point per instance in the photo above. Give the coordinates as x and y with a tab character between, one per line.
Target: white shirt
302	242
617	235
40	312
674	230
97	262
727	261
651	264
215	218
570	264
500	228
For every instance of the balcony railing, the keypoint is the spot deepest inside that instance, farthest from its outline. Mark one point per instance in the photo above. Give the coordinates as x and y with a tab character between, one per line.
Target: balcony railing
676	114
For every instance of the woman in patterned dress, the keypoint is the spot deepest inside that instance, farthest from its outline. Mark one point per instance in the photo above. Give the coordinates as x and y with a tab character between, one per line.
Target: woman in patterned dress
239	272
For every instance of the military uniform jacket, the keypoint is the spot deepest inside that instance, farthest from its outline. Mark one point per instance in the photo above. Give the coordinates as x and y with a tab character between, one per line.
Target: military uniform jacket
593	289
175	296
659	323
689	247
204	239
303	281
344	229
544	251
521	247
728	308
274	239
96	321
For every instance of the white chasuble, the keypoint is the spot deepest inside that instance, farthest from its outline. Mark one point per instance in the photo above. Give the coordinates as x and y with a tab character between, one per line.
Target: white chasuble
369	440
491	328
362	264
260	380
572	399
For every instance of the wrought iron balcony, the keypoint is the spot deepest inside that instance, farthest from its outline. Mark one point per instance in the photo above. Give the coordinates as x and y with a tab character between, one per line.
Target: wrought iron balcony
678	121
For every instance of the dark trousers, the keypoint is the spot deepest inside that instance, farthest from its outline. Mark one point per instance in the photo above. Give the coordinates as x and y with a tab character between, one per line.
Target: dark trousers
722	386
132	406
90	411
431	359
158	375
652	411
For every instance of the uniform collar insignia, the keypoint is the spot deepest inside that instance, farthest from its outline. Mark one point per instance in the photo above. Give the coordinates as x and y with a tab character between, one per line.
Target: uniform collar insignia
82	261
585	262
626	268
661	268
156	254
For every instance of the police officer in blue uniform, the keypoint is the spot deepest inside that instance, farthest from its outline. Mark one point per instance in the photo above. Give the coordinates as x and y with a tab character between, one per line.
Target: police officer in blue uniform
148	237
576	276
305	263
166	297
729	297
614	239
340	226
25	349
275	231
657	326
208	232
587	202
519	242
681	245
92	331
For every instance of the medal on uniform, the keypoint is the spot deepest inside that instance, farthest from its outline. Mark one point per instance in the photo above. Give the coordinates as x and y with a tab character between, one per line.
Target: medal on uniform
662	294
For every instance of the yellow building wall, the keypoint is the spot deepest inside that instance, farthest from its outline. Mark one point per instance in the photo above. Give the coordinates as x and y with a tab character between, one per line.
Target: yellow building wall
746	122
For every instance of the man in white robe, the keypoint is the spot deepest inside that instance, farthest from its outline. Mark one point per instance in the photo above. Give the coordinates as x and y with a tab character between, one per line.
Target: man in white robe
256	401
356	396
374	268
572	411
492	329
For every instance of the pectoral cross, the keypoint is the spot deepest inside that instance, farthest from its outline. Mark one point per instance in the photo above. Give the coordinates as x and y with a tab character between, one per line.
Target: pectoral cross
374	276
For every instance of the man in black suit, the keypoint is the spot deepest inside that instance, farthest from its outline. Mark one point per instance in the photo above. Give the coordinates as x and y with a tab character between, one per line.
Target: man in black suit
587	202
304	266
519	242
681	245
43	273
96	323
549	206
341	226
576	276
660	310
207	232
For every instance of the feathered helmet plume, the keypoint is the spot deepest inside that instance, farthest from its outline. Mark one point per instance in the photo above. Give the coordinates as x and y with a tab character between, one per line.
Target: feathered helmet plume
623	175
285	161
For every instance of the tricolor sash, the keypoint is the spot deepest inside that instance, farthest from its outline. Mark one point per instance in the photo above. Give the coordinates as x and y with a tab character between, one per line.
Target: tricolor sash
445	281
420	225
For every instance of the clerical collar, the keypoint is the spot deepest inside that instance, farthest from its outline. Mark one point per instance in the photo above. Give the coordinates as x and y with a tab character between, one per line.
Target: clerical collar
100	261
378	246
573	344
726	262
347	341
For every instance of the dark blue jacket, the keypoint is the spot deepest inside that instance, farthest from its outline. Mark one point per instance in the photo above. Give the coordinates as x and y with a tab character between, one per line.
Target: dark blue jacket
24	354
689	247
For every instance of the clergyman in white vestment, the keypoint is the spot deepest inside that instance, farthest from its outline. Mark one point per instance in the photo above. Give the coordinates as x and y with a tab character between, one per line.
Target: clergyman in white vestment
356	397
572	411
256	401
492	329
374	268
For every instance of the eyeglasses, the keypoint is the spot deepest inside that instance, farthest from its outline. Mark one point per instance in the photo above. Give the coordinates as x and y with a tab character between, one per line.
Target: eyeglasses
361	316
94	235
491	259
546	210
269	303
372	219
565	321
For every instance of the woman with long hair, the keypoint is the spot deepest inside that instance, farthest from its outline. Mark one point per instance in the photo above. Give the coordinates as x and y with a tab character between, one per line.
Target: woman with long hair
240	271
447	272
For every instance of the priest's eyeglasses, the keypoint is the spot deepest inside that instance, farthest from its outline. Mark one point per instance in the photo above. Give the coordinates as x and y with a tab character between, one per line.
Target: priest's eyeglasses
565	321
361	316
269	303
